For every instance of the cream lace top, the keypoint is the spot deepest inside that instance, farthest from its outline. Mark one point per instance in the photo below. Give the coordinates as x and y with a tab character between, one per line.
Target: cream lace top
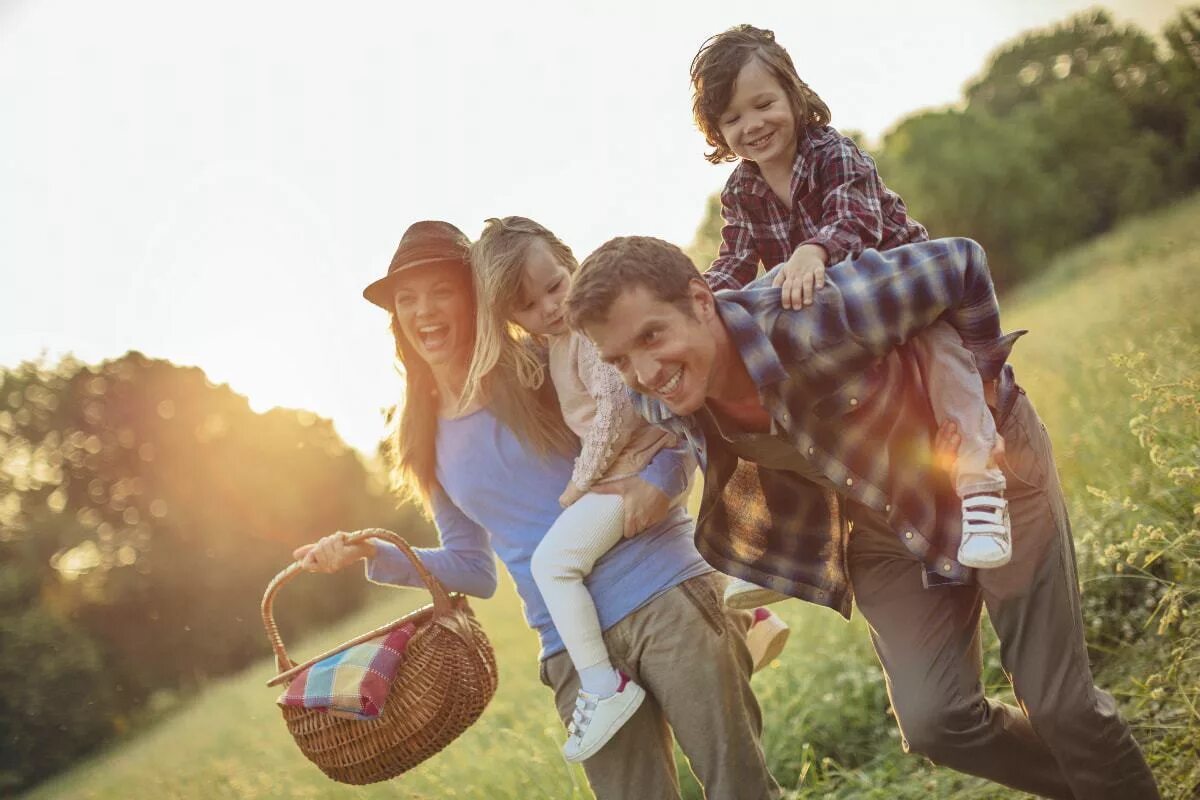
615	442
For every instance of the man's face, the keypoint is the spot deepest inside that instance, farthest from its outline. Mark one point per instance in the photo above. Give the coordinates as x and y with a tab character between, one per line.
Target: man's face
659	350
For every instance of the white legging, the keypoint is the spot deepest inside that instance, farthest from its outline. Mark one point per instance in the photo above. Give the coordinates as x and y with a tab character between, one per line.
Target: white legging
585	530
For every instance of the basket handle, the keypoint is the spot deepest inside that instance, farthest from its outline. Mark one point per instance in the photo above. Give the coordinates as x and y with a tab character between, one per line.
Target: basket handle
441	600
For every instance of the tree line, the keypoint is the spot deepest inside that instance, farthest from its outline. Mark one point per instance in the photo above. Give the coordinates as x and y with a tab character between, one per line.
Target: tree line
1068	130
142	512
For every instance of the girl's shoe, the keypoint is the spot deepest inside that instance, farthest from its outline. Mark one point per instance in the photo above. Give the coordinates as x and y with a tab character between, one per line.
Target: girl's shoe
986	532
766	638
597	719
744	595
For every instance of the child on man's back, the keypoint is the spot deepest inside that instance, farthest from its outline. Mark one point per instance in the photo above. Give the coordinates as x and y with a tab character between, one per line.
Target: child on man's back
525	275
804	198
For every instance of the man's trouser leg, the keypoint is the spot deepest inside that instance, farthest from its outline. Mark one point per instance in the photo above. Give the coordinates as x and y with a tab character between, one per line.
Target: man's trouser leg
689	653
1076	746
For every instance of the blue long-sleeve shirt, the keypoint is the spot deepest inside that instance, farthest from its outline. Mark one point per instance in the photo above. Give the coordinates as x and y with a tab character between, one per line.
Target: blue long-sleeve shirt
500	498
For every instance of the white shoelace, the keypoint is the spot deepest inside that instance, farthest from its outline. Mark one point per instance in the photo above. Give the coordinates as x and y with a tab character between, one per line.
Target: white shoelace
983	515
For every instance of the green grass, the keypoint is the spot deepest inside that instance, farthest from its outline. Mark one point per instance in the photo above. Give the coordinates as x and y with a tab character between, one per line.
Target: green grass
828	732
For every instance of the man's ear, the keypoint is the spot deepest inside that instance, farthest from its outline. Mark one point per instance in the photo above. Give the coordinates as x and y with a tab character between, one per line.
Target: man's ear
701	298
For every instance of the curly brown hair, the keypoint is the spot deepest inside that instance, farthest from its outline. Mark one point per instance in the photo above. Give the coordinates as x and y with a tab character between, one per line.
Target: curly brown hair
714	73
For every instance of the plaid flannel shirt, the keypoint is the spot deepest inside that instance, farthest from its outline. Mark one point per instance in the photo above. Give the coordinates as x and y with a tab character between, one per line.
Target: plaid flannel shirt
838	201
841	387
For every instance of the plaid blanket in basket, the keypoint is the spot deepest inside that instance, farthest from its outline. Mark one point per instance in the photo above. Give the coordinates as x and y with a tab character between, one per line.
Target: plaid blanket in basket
353	683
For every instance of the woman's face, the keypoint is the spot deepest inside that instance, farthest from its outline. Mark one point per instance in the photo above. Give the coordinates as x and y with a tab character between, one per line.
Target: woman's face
436	313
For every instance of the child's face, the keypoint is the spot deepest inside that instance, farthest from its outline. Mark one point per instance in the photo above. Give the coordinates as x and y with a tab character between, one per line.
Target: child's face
759	123
540	307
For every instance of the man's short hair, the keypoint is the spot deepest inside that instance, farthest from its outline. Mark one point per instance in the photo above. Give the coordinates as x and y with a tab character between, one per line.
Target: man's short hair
625	263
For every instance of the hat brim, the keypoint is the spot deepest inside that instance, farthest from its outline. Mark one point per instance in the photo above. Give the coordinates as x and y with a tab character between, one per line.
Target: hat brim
381	291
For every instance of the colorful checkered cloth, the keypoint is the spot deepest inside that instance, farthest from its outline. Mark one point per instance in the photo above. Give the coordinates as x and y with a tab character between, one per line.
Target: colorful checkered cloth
353	683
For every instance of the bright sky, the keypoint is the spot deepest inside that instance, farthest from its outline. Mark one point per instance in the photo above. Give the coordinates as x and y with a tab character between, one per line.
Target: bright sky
214	183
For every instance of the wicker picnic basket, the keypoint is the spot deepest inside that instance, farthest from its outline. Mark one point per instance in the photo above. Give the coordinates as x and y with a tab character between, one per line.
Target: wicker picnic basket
443	683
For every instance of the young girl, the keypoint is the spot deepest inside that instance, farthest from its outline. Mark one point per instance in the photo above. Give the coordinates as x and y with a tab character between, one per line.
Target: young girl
525	273
805	197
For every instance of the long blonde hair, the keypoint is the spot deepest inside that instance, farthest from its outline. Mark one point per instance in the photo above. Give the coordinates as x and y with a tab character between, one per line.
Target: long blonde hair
498	264
531	412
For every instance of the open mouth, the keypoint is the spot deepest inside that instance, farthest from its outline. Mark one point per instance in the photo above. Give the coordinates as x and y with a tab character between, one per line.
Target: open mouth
668	387
761	142
433	337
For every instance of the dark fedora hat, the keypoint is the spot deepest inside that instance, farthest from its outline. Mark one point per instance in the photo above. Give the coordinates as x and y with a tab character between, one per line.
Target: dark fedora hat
426	242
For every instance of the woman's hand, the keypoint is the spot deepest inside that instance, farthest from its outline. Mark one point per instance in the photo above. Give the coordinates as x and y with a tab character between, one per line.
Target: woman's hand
332	553
645	504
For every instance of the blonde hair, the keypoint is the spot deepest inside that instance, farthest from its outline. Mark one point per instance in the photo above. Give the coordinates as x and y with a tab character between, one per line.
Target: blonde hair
498	264
531	413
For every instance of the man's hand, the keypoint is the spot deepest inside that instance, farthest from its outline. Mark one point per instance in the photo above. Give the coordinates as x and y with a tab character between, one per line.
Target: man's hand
331	553
645	504
802	275
946	444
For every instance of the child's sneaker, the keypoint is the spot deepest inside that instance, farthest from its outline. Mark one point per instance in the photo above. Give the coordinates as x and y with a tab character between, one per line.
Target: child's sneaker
596	719
744	595
986	532
766	638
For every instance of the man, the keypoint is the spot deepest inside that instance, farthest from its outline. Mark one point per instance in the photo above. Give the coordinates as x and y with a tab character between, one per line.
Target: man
493	492
814	428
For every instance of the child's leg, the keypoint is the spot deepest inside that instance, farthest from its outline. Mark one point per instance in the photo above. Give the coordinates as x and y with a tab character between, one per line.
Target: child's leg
956	394
586	530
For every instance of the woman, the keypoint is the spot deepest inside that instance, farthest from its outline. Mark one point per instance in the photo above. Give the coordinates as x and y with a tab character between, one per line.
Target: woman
491	474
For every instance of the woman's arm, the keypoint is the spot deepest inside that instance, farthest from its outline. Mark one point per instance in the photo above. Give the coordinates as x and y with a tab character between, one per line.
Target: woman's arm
465	562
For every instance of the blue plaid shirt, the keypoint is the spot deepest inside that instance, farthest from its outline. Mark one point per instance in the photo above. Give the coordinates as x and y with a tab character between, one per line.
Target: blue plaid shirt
842	388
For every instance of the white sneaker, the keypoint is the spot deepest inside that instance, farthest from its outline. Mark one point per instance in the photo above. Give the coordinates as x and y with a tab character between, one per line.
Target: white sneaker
744	595
597	719
987	532
766	638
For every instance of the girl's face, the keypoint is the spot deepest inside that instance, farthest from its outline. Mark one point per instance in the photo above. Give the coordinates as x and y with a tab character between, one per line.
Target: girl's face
759	124
436	313
540	307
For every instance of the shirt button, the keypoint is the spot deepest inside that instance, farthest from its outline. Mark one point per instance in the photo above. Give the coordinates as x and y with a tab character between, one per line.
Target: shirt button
853	401
812	450
908	534
947	566
888	507
849	481
786	416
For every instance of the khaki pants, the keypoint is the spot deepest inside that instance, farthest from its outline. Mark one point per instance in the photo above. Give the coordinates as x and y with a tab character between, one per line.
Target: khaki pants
1067	740
689	654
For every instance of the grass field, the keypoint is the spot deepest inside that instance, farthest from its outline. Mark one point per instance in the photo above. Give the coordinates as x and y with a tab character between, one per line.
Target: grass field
828	733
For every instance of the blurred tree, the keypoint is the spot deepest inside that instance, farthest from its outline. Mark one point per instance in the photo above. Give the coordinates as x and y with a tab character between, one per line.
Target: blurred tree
145	509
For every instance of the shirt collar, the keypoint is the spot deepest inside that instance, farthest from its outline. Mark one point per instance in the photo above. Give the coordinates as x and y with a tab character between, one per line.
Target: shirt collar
752	344
749	177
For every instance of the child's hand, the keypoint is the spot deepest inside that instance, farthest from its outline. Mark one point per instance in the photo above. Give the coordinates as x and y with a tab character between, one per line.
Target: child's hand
572	494
802	275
